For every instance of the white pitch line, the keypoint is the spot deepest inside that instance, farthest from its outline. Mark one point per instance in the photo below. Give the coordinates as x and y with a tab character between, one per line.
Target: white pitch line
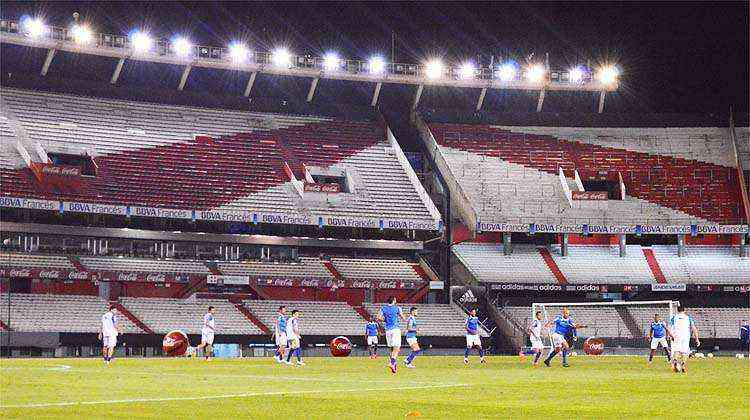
225	396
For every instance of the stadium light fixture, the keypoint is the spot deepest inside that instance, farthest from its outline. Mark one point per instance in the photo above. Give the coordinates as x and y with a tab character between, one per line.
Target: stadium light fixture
238	52
281	58
608	75
433	69
575	75
376	65
34	27
467	70
535	73
81	34
141	42
331	62
182	47
506	72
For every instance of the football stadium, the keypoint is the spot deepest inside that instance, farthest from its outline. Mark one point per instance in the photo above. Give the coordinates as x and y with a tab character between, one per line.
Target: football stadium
374	210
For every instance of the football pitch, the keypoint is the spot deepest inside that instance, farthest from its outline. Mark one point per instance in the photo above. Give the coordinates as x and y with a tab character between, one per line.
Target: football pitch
360	388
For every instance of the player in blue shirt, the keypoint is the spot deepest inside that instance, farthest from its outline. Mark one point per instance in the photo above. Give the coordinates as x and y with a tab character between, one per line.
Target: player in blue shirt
472	337
391	315
411	337
564	326
658	333
371	338
280	338
745	336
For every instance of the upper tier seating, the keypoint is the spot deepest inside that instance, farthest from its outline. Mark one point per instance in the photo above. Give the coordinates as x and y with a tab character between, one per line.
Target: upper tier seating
432	319
603	264
19	259
306	268
376	269
316	318
164	315
711	322
703	264
147	156
58	313
488	263
144	265
510	174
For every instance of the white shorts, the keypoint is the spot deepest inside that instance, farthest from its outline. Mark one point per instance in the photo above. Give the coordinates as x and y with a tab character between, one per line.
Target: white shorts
655	342
537	344
281	339
207	336
372	340
558	340
109	341
681	345
473	340
393	337
411	341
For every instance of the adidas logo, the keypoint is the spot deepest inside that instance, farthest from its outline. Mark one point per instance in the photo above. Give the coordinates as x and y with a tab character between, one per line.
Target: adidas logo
468	297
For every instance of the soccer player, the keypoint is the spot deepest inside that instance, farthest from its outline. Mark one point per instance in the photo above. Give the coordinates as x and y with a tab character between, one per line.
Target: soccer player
371	338
564	325
108	333
207	334
472	337
658	332
280	335
392	316
294	337
745	336
535	336
411	337
681	326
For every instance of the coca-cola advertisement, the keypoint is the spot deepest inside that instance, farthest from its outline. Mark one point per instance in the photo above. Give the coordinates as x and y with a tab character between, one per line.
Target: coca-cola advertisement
590	195
325	188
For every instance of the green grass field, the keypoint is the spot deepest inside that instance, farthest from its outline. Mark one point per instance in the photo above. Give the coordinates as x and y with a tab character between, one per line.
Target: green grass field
359	388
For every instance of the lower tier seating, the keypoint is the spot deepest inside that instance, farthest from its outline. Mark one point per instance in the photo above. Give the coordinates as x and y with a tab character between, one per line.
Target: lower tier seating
317	318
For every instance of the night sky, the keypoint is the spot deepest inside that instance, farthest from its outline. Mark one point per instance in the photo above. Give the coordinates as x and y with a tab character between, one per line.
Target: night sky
675	57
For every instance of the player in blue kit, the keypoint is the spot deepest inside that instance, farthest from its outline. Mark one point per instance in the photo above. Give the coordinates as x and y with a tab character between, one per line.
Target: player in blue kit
564	326
411	337
472	337
658	333
392	316
280	335
371	338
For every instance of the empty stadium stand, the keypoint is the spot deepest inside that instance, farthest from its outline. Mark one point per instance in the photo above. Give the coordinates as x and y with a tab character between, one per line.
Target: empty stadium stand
488	263
317	318
600	321
703	264
307	267
711	322
603	264
671	176
376	269
433	319
144	265
58	313
20	259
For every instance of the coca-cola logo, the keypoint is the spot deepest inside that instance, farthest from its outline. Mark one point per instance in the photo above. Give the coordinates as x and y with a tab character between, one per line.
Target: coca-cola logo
388	285
78	275
19	273
309	283
49	274
127	277
156	277
593	346
282	282
362	284
342	345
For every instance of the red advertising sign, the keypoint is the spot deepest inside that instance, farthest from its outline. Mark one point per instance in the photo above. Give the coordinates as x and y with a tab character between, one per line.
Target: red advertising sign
590	195
326	188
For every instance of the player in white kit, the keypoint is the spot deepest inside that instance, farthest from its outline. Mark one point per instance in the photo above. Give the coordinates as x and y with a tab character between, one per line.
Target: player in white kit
535	336
681	326
108	333
207	333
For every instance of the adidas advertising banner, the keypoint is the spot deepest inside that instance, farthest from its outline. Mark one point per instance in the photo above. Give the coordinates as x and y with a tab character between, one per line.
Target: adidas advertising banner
612	288
468	296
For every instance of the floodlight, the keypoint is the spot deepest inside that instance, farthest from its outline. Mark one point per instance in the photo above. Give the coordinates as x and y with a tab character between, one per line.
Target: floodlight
238	52
377	65
331	62
433	69
506	72
81	34
33	27
575	75
535	73
281	58
608	74
467	70
182	46
140	42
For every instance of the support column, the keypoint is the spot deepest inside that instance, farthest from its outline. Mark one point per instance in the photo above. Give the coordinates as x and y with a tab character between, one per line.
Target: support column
601	101
250	83
48	61
507	247
623	249
681	245
118	69
184	77
311	92
417	96
481	99
564	244
540	102
744	248
376	94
